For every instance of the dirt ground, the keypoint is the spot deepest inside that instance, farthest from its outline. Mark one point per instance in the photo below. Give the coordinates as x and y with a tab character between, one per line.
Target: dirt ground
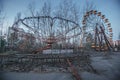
108	68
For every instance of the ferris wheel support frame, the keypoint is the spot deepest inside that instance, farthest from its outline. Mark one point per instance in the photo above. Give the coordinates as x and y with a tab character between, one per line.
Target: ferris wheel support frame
99	37
102	34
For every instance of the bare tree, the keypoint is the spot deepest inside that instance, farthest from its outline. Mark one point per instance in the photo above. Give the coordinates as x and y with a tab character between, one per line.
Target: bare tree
43	27
1	26
119	36
89	6
46	9
17	17
67	9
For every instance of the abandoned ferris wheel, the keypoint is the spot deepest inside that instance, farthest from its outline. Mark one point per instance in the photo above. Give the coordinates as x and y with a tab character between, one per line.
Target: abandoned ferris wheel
95	24
44	32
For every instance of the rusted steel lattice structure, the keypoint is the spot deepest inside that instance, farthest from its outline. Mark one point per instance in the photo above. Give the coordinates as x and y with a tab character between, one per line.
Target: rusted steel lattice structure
99	27
39	33
46	32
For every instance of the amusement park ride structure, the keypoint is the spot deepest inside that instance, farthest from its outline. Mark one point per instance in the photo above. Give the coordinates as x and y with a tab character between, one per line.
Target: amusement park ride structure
40	33
96	24
48	31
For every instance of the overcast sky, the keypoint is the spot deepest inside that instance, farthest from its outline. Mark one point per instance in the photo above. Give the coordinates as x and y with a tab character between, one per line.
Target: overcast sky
110	8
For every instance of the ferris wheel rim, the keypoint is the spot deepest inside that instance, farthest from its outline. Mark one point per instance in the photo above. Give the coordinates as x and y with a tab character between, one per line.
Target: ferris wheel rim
102	17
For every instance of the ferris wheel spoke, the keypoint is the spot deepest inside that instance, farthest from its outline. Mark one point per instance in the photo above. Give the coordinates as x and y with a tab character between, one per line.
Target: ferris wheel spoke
94	19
